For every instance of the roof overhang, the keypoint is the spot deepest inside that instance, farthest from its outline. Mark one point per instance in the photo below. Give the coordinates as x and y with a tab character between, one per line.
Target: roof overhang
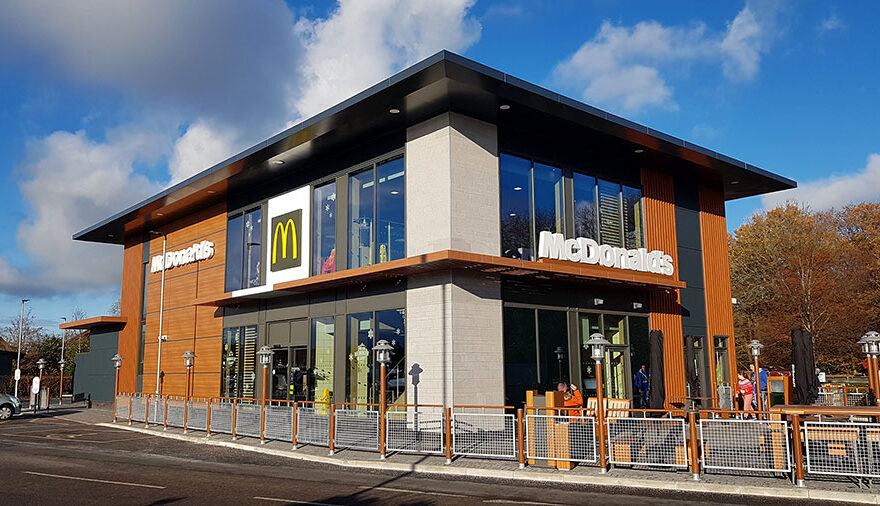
443	82
106	322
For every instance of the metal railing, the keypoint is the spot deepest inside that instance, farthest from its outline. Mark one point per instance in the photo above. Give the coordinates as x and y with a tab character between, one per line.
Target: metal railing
560	435
279	416
744	444
175	411
197	414
842	448
356	426
138	411
415	428
248	417
123	406
222	414
313	423
484	431
649	438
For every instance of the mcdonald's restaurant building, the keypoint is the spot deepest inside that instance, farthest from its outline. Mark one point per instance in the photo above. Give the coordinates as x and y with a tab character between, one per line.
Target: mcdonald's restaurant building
483	226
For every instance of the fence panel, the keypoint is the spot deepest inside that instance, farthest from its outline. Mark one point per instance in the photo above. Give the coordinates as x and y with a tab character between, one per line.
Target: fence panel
279	422
843	448
356	428
648	441
247	419
313	426
138	408
221	416
415	429
484	435
197	417
554	437
747	445
856	399
122	406
175	411
157	410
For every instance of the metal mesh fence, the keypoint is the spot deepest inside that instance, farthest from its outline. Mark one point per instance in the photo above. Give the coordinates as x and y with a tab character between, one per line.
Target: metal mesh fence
197	418
484	435
835	396
313	426
553	437
856	399
221	416
843	448
247	419
279	422
648	441
157	411
747	445
122	406
420	430
174	412
138	408
356	428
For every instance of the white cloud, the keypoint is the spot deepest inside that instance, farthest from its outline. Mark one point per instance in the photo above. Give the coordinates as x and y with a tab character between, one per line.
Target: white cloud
835	190
831	23
621	66
205	78
362	42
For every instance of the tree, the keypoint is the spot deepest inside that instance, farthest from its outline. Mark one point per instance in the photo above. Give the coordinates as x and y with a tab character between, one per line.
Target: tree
795	268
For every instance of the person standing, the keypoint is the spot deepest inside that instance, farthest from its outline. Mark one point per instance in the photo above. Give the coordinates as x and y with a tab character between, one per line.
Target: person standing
745	391
642	383
760	381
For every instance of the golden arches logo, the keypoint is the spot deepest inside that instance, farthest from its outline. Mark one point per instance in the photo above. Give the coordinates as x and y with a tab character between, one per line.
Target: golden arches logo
283	229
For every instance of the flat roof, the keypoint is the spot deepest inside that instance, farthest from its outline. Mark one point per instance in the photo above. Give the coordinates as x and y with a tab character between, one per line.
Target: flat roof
442	82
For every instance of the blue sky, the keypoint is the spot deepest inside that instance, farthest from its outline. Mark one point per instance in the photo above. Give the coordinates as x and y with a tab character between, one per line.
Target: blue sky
103	102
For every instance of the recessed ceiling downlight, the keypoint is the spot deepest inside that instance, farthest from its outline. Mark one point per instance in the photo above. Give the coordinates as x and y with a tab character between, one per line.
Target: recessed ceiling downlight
394	110
504	107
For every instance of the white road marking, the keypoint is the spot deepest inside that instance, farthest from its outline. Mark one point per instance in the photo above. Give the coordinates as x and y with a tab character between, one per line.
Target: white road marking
405	491
293	501
79	478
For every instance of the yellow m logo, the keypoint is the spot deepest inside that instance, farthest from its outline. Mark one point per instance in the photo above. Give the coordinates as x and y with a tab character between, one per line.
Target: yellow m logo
281	231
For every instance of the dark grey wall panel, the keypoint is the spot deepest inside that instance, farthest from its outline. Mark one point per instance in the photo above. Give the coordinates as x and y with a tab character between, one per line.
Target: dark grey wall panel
94	374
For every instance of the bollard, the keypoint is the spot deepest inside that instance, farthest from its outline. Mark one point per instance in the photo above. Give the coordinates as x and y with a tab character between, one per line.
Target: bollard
208	420
331	436
147	413
448	436
695	449
521	438
295	414
798	450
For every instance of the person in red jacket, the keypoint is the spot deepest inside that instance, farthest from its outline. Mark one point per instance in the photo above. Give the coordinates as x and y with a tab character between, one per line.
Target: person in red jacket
745	390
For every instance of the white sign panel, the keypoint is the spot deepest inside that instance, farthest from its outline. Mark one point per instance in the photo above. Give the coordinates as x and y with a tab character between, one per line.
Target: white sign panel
195	253
587	251
288	243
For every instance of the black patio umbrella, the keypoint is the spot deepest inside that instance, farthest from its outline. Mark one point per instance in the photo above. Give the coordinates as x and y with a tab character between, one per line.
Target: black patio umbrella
656	382
806	383
690	366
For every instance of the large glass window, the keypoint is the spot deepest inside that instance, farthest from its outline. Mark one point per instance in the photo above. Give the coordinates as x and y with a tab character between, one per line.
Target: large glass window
321	358
628	351
585	206
549	210
632	217
244	234
324	257
390	327
364	331
610	230
377	229
516	191
390	211
359	374
520	354
237	361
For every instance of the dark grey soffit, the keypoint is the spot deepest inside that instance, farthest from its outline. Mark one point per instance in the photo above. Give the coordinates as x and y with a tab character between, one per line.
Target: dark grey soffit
442	82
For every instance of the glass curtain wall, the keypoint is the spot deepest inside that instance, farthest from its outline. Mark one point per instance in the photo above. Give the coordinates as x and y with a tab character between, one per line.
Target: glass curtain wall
516	207
244	239
390	326
377	229
321	358
585	221
359	374
362	374
634	230
628	351
237	361
610	220
324	212
520	354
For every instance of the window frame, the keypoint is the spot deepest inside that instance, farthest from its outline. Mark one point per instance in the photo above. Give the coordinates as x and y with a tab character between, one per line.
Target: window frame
242	211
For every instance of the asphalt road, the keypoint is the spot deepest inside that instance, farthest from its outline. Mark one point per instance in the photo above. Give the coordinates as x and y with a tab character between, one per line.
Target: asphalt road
53	460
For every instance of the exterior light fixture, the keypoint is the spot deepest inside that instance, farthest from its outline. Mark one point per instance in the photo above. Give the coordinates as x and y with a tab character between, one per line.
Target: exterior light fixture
383	352
265	355
598	302
512	215
160	214
863	342
188	358
755	346
873	339
560	353
517	188
640	150
597	344
394	110
277	162
117	361
394	192
383	356
735	181
504	107
637	305
41	363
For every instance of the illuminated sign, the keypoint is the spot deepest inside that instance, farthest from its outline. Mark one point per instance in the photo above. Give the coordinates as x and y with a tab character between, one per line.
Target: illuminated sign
195	253
587	251
286	241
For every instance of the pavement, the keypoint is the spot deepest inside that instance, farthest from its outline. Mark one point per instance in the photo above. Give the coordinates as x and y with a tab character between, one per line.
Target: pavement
72	454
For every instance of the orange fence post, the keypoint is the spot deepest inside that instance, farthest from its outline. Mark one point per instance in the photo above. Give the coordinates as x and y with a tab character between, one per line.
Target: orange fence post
798	450
147	412
165	417
332	433
600	418
695	449
208	421
295	409
521	439
234	413
448	436
129	408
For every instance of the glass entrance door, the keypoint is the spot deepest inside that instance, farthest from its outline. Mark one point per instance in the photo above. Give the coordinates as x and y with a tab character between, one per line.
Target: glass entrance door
290	379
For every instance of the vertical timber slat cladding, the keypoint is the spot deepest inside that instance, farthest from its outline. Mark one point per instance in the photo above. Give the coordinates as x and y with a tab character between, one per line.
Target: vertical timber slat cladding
659	195
130	308
716	271
188	327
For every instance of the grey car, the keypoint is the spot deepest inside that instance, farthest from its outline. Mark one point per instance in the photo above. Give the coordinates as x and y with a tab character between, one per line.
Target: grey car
9	406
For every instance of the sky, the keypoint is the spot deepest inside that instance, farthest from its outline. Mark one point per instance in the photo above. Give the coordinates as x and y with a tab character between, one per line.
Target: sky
104	103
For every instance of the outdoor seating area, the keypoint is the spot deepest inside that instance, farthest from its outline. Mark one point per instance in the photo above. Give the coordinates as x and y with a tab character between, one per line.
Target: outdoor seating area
800	442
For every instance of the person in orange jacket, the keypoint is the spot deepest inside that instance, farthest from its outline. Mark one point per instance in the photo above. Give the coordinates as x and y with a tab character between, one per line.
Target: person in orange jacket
572	398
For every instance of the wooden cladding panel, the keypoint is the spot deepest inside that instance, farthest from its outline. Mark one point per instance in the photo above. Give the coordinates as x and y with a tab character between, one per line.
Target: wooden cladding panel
660	233
130	307
211	281
179	291
716	271
209	322
177	324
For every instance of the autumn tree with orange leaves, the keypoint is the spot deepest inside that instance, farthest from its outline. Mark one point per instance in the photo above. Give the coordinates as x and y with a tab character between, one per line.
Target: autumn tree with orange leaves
819	271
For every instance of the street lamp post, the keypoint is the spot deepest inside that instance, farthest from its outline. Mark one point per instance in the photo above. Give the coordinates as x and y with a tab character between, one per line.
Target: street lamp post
265	355
117	363
161	336
383	356
41	364
756	346
597	344
61	365
18	358
560	355
188	360
864	342
873	339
